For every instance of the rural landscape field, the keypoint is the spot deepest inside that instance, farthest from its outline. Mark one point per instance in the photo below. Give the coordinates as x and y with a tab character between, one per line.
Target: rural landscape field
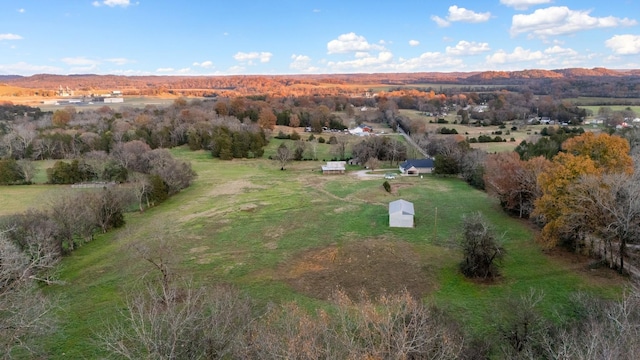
234	243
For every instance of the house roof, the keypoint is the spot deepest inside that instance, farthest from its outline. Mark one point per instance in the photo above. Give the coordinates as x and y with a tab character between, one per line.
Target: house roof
334	165
418	163
401	207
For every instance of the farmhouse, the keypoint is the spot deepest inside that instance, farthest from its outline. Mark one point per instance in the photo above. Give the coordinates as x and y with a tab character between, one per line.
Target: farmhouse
361	130
417	166
401	214
334	167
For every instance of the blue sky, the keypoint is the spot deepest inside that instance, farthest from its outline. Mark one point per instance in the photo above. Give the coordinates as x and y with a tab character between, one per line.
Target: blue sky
223	37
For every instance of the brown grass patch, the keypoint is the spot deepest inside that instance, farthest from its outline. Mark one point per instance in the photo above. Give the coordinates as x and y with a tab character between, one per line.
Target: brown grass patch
233	188
372	266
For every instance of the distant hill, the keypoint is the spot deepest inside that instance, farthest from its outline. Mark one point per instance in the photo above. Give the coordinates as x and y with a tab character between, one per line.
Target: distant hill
9	77
297	85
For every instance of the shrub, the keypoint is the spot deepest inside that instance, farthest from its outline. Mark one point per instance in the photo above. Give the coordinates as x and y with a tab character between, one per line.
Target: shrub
321	140
387	186
10	172
294	136
481	248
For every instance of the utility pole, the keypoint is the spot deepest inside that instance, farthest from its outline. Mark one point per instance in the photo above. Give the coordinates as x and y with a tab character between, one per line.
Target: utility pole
435	226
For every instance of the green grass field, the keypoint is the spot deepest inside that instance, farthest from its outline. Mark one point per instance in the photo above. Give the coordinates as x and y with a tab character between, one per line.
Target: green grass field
242	221
469	131
595	108
584	101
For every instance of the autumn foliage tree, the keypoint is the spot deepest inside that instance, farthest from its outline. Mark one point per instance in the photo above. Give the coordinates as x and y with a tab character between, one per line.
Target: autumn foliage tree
584	155
267	119
514	181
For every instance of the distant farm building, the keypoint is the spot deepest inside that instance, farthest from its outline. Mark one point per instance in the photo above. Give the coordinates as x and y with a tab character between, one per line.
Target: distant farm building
401	214
417	166
361	130
334	167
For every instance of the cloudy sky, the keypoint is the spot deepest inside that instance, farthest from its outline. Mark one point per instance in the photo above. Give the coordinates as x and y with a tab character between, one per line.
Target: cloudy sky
225	37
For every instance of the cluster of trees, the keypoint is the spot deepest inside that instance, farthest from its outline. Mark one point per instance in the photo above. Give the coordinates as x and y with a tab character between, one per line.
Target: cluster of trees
548	144
585	196
381	148
14	172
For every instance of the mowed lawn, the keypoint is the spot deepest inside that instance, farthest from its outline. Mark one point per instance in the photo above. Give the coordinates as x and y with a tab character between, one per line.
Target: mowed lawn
243	220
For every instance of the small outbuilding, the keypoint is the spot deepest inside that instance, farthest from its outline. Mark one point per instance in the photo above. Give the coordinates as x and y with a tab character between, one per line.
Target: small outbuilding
334	167
401	214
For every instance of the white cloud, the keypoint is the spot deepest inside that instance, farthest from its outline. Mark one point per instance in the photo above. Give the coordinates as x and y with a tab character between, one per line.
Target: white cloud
351	42
10	36
302	63
264	57
461	14
464	47
429	61
120	61
440	21
316	10
414	42
361	54
557	50
112	3
523	4
624	44
79	61
165	70
559	20
205	64
22	11
23	68
519	54
370	63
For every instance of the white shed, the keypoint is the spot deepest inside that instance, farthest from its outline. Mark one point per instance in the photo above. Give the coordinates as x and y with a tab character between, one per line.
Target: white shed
401	213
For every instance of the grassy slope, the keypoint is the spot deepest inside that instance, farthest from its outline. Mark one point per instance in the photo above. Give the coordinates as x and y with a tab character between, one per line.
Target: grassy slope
243	218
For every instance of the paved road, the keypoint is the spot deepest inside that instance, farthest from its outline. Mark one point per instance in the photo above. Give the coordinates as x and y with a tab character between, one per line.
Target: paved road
365	174
413	143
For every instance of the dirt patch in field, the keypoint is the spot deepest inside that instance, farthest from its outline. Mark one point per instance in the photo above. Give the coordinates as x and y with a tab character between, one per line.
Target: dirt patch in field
372	266
233	188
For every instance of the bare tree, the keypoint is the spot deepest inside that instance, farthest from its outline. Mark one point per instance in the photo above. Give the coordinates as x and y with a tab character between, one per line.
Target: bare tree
608	206
174	319
607	330
141	188
106	207
25	314
28	169
176	174
373	163
283	156
132	155
313	148
340	147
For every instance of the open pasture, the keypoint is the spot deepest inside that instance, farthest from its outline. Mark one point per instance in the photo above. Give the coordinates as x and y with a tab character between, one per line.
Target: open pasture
297	235
523	132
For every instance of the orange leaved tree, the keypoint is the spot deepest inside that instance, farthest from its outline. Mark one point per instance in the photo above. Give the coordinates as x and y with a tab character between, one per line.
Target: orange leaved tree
585	155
